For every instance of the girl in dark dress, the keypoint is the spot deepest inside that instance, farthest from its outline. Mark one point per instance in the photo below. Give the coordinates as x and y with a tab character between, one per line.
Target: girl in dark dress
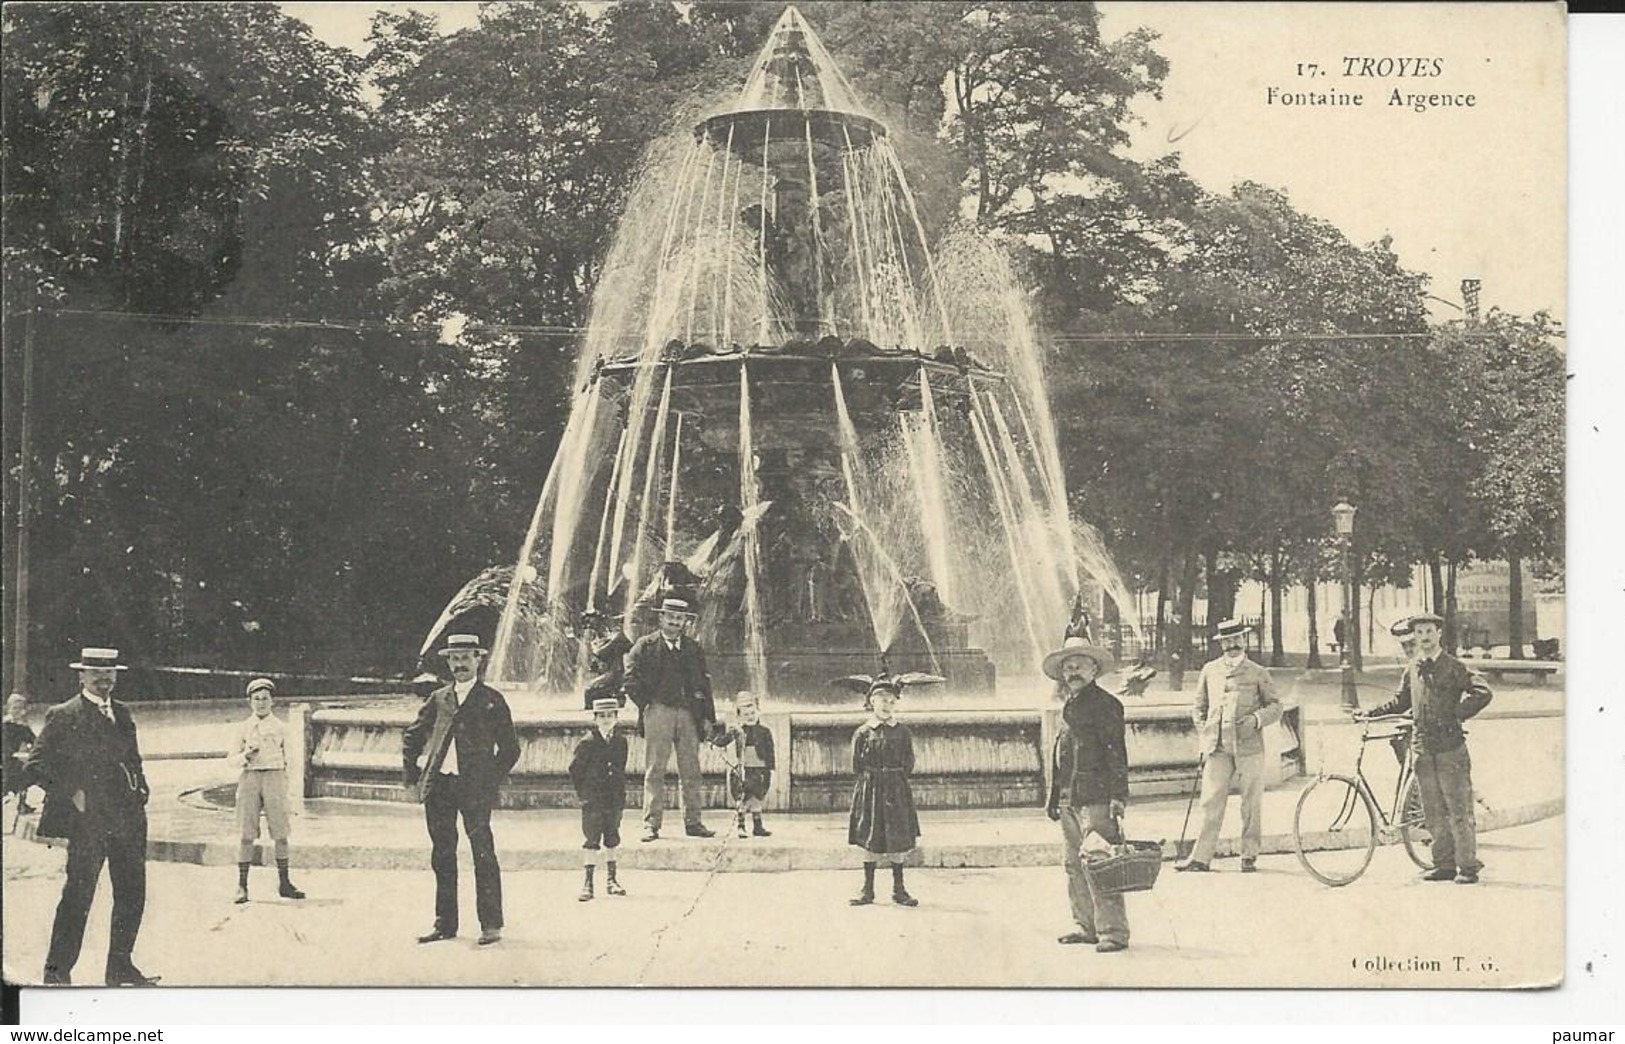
884	823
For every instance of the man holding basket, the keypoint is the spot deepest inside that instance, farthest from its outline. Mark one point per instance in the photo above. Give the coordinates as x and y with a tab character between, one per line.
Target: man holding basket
1088	787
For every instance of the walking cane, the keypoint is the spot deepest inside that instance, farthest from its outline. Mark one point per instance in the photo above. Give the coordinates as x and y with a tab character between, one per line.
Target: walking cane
1180	851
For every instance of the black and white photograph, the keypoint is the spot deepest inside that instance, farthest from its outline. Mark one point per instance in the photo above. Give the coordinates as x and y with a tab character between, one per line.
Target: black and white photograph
692	493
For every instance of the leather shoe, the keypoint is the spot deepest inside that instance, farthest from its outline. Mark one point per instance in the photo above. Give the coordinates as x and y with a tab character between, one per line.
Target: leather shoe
699	830
1249	866
489	936
863	898
1467	877
1110	946
127	974
1440	873
1194	867
242	895
436	935
1074	938
651	834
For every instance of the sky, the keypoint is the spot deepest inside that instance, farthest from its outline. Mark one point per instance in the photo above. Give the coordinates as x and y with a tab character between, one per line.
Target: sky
1465	192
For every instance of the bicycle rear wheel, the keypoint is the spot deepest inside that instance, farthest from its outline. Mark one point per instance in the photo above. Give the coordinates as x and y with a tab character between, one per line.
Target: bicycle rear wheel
1413	827
1335	830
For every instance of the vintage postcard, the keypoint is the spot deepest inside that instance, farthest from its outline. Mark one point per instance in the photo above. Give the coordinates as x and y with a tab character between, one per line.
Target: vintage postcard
754	495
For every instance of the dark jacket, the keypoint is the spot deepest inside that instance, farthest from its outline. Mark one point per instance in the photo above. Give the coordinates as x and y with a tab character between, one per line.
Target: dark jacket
80	754
482	728
656	674
1440	695
598	770
1090	762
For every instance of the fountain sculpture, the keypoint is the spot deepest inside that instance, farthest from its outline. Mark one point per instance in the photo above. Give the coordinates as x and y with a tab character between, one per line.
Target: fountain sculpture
839	440
842	436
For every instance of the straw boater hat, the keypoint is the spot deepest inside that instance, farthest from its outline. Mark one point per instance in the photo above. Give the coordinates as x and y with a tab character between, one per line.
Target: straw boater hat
681	606
746	698
1402	627
1432	618
1078	647
94	659
261	683
607	705
1230	629
463	643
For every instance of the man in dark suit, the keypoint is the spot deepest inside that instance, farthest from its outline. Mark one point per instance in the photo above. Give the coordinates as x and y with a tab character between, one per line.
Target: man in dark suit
456	754
89	764
667	679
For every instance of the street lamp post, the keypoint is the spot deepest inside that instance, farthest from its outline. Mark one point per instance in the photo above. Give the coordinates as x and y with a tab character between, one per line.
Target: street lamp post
1343	518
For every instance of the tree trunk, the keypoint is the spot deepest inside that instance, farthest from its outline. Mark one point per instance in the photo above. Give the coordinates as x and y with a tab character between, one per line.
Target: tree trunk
1314	628
1221	589
1450	643
1159	638
1277	643
1515	607
1435	602
1355	624
1180	634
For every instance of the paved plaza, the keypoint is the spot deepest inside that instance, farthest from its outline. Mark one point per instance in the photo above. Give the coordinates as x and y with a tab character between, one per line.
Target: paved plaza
764	912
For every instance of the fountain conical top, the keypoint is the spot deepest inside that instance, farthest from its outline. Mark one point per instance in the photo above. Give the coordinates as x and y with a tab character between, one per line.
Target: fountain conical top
794	71
795	76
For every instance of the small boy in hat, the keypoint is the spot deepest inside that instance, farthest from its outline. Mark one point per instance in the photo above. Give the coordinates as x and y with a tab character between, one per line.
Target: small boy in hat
750	745
259	749
598	772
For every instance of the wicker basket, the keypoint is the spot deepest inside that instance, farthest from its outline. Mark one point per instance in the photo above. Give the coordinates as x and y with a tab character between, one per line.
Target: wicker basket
1132	867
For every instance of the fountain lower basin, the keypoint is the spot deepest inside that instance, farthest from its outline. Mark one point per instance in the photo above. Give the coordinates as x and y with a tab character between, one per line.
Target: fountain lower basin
968	754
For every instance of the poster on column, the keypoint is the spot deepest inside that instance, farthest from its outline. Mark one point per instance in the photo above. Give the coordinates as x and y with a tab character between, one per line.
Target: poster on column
826	495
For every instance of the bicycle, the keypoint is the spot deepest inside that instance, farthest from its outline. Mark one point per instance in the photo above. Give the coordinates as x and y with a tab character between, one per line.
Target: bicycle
1335	842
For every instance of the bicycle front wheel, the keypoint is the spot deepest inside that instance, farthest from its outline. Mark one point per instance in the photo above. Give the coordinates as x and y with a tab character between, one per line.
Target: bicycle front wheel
1413	826
1335	830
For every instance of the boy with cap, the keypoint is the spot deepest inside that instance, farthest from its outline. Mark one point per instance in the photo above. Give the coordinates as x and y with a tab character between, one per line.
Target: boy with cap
259	749
598	772
750	747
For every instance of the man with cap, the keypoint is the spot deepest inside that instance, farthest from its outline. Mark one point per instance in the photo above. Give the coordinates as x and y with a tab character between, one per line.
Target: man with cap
1088	786
259	750
88	762
456	755
667	679
1235	700
598	773
1441	692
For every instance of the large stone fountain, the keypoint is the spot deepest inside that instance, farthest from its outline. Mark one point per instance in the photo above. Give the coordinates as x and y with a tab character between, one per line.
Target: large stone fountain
840	435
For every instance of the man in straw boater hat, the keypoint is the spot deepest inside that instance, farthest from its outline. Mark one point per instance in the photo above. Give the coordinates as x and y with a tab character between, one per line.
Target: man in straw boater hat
456	755
1441	692
598	773
88	761
667	679
1235	700
1088	786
